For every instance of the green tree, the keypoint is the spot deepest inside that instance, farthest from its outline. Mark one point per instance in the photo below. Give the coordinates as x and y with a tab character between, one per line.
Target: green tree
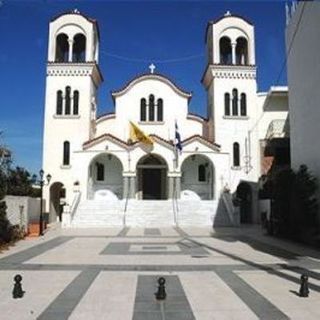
295	206
5	226
19	182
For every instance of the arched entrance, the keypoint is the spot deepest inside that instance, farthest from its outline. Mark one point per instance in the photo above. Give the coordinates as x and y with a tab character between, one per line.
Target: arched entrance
105	178
244	193
152	178
57	192
198	177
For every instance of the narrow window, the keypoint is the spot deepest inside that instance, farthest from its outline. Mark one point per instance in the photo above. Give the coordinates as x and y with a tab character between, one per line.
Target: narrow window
66	153
243	104
76	102
100	171
62	48
160	110
242	51
236	154
143	109
79	48
59	102
225	50
227	104
202	173
234	102
151	107
68	101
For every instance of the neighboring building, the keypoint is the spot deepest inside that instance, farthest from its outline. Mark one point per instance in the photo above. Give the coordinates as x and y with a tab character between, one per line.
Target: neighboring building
104	177
303	47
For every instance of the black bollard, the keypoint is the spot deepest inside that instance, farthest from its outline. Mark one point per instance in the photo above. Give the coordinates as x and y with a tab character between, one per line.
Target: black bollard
161	293
17	289
304	288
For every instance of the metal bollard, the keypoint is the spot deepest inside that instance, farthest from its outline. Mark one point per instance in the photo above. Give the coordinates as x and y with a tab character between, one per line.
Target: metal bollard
161	293
304	287
17	288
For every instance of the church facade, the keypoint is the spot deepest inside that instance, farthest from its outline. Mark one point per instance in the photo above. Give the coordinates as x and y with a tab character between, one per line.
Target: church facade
98	169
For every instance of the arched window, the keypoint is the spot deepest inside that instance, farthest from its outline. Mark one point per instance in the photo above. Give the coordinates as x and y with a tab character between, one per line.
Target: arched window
202	173
234	102
79	48
243	104
227	104
159	110
151	107
143	109
59	102
236	154
242	51
100	171
68	101
66	153
62	48
225	51
75	102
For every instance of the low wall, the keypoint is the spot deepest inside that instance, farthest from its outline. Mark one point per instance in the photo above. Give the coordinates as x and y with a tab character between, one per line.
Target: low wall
22	210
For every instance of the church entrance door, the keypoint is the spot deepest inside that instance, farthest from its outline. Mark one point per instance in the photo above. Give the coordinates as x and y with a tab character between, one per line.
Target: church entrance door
151	183
152	178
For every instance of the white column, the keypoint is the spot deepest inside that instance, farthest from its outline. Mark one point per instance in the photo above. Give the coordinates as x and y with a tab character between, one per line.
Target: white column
70	49
234	44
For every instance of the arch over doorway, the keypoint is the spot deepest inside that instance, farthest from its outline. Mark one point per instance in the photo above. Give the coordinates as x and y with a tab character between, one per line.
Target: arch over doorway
57	192
105	177
152	178
198	176
244	193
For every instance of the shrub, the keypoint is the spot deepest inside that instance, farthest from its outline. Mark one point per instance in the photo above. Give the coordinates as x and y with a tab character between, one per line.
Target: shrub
295	205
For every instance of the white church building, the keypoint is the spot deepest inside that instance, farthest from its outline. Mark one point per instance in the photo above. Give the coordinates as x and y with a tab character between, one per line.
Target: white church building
102	177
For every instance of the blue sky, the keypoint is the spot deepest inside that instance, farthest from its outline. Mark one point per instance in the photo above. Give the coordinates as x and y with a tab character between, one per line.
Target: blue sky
132	35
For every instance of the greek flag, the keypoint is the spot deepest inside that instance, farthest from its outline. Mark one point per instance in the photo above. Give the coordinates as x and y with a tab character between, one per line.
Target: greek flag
178	144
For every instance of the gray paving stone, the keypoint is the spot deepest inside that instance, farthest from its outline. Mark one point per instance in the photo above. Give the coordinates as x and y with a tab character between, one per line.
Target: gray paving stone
64	304
252	298
152	232
175	306
123	248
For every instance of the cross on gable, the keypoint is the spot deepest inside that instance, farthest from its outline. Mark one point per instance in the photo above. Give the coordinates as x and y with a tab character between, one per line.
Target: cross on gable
152	67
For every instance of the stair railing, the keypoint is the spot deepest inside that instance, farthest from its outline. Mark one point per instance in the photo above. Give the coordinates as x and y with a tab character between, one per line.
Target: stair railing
75	204
124	219
175	206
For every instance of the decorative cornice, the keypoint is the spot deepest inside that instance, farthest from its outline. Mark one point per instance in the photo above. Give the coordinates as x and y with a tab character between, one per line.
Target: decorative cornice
105	136
169	143
84	69
220	71
152	76
203	140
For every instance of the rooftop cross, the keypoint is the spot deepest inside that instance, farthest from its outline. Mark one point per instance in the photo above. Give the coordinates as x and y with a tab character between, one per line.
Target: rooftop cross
227	14
152	67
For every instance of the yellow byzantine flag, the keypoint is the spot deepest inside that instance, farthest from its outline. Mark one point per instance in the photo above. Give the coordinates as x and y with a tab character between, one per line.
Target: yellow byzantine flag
136	134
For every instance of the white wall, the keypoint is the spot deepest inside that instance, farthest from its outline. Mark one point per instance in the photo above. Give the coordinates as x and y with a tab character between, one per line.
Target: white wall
30	212
303	81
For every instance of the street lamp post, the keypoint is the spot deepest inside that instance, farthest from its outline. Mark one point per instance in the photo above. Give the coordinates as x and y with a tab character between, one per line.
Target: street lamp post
42	183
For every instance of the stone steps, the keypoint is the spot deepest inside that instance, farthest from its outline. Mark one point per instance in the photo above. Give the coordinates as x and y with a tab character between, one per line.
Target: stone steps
147	213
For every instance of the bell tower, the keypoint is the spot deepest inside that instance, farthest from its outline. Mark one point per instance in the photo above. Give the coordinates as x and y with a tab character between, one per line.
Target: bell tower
230	81
72	81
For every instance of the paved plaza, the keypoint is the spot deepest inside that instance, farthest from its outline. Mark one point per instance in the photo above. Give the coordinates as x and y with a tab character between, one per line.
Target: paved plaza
112	274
